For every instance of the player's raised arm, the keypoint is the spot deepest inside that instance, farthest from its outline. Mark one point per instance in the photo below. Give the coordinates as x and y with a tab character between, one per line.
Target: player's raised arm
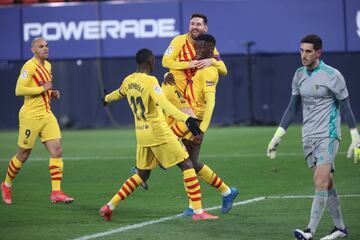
171	55
219	63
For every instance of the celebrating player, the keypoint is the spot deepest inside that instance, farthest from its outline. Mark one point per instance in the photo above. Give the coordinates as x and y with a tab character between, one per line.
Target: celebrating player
155	141
36	119
321	90
201	98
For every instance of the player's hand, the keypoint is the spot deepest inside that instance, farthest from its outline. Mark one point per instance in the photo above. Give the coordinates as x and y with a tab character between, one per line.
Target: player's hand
193	125
169	78
204	63
354	149
274	143
55	94
47	85
272	147
193	63
105	103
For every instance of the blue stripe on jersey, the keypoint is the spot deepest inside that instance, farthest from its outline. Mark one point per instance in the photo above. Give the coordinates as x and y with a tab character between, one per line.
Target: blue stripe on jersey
332	122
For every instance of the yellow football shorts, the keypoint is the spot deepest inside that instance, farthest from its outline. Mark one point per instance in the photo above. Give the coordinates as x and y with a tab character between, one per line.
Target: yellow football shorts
46	128
167	154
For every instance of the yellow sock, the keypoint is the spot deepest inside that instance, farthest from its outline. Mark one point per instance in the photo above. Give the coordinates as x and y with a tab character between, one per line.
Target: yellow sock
193	189
210	177
56	172
13	169
127	188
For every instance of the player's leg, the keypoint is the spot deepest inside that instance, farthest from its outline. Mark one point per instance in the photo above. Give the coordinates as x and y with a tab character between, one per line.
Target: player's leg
333	204
145	161
320	158
174	153
51	138
210	177
28	131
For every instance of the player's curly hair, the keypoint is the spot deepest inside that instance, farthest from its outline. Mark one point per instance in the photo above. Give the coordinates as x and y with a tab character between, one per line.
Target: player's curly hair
313	39
206	38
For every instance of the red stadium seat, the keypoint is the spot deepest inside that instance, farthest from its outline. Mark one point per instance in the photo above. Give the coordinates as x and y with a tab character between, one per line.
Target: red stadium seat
29	1
6	2
52	1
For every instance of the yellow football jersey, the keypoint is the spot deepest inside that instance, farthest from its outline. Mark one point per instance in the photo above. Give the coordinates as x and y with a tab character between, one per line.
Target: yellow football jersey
32	77
204	81
178	55
147	102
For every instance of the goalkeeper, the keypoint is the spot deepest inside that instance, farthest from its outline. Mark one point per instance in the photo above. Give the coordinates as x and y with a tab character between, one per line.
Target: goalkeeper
322	91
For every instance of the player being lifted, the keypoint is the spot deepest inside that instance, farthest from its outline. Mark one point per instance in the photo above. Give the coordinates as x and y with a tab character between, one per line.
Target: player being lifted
37	119
321	90
155	141
201	97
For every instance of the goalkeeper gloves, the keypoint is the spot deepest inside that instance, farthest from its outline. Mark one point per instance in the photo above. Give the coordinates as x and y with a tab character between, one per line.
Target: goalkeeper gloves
193	125
274	143
354	148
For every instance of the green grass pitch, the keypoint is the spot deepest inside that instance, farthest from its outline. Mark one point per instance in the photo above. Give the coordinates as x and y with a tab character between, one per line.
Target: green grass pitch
97	162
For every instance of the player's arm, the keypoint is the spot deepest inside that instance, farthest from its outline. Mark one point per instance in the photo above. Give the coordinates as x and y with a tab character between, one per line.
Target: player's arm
170	58
113	96
286	120
338	87
159	98
209	81
219	63
209	109
23	83
349	118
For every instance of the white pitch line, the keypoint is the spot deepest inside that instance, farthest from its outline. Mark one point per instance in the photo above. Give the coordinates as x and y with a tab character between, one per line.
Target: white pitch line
164	219
234	155
169	218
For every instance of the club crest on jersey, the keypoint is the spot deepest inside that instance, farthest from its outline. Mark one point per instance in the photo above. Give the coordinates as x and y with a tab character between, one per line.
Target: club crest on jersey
210	83
169	50
316	87
158	89
24	74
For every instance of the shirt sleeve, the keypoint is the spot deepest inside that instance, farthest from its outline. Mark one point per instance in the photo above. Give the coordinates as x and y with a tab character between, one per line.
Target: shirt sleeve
23	83
219	63
209	80
209	109
159	98
338	86
295	86
116	94
170	58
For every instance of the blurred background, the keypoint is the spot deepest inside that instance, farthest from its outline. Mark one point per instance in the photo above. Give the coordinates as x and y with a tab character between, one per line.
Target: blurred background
93	43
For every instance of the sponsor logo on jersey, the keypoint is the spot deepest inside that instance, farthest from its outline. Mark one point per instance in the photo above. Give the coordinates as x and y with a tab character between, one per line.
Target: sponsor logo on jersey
210	83
158	89
24	74
103	29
